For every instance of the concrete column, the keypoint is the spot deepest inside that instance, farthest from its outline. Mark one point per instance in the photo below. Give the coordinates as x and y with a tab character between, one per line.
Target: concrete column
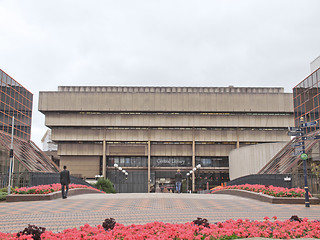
104	159
193	163
238	143
149	164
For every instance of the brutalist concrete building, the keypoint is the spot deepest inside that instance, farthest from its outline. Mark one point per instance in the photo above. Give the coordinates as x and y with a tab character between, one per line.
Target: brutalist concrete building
152	131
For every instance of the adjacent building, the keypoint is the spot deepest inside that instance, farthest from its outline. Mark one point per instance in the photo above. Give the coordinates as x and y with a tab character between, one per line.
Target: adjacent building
307	97
153	131
16	102
306	100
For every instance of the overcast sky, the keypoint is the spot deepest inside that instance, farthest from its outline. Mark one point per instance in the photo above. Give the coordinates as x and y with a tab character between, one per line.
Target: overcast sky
46	44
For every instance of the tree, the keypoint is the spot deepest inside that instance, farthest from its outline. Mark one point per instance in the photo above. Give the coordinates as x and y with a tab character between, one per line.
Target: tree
105	185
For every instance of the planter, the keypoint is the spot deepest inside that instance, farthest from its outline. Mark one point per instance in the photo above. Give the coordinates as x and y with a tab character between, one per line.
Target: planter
266	198
49	196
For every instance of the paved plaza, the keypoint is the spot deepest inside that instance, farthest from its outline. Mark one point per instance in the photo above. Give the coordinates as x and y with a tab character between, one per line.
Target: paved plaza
137	208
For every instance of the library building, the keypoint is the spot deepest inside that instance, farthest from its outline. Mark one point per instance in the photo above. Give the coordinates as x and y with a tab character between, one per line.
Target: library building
139	137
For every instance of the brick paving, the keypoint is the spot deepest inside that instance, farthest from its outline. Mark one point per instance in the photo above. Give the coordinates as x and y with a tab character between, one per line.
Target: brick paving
134	208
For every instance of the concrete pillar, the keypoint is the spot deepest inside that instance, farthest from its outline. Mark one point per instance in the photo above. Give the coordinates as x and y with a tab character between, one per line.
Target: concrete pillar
193	163
104	159
149	164
238	143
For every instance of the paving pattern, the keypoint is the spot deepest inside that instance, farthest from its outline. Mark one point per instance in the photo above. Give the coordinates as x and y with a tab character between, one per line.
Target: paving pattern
133	208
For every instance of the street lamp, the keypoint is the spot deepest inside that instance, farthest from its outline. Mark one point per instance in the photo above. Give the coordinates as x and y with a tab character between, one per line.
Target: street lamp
304	158
115	173
198	168
193	171
116	167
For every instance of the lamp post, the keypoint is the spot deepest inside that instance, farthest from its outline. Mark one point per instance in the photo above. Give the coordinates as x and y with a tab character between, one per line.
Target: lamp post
193	171
198	168
119	179
115	173
304	158
11	162
124	172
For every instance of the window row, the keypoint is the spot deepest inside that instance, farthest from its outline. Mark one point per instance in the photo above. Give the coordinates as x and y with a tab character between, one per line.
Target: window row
17	101
312	80
167	161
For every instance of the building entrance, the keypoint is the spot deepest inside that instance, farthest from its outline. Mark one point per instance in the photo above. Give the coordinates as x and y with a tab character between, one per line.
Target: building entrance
165	181
165	185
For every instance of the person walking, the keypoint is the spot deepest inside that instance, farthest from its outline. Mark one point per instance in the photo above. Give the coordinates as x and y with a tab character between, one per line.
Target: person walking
178	179
65	181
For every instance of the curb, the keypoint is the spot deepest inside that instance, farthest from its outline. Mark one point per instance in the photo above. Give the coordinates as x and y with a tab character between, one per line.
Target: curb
266	198
49	196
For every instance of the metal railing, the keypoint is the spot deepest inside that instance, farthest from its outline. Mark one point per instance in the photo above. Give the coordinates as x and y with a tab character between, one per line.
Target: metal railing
29	179
313	182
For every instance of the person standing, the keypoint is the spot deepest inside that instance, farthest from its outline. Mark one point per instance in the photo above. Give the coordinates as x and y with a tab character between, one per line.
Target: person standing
65	181
178	179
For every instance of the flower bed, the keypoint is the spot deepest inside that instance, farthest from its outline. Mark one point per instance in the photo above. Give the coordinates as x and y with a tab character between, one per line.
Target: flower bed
231	229
268	190
46	189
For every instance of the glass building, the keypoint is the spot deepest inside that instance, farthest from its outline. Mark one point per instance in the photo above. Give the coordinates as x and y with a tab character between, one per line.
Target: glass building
15	101
306	98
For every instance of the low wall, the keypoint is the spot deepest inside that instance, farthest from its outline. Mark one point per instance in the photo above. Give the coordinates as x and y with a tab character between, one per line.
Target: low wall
277	180
267	198
50	196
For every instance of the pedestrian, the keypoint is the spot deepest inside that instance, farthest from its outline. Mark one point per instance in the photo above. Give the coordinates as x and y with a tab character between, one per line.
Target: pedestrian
65	181
178	179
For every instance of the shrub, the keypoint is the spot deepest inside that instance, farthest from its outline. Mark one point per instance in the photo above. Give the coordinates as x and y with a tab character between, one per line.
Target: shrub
5	189
108	224
105	185
201	222
3	196
32	230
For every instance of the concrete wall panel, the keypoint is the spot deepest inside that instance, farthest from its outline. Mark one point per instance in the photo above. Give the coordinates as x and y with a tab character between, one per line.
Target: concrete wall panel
251	159
82	134
81	166
89	101
171	150
150	120
81	149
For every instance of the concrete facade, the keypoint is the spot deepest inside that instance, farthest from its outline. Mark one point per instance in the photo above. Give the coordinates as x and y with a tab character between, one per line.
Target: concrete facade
315	64
155	130
251	159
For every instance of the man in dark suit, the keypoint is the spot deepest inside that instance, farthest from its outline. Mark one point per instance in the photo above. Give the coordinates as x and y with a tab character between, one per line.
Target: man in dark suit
65	181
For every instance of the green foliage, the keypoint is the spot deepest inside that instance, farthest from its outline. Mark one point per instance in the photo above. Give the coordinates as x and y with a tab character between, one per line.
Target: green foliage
31	191
105	185
5	189
315	169
3	196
